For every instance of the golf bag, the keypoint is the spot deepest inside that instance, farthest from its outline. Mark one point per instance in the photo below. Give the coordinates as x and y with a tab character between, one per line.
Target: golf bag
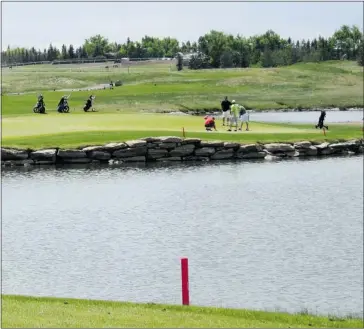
39	108
88	105
63	108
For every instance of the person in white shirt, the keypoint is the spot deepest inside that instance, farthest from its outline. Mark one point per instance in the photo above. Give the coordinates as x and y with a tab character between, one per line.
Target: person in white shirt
244	117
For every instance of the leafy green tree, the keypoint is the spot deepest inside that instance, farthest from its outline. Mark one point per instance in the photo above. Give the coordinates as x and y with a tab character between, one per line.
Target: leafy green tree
96	45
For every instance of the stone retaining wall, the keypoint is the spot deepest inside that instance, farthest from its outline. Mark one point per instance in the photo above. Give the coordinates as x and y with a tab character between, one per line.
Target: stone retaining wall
176	149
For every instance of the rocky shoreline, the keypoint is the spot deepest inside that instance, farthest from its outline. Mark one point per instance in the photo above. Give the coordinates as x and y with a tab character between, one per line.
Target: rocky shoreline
157	149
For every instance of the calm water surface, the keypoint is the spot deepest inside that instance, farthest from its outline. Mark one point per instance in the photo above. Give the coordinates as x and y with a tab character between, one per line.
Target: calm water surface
308	117
261	235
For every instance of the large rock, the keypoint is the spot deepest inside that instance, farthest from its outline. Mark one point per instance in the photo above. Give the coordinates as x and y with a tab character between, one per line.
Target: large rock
229	145
205	151
350	146
251	155
154	154
99	155
183	150
112	147
46	156
130	152
195	141
223	154
135	159
167	146
71	154
250	148
279	148
171	139
303	145
151	139
136	143
152	145
310	151
322	146
13	154
324	149
212	144
94	148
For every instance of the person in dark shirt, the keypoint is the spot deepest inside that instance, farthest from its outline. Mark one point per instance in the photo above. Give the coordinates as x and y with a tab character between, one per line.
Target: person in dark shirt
321	120
225	106
40	100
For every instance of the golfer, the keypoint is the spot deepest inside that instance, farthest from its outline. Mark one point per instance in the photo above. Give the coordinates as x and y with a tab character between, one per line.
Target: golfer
210	123
321	120
235	109
225	107
244	117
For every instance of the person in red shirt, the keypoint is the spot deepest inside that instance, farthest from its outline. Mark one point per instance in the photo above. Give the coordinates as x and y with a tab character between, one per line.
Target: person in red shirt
210	123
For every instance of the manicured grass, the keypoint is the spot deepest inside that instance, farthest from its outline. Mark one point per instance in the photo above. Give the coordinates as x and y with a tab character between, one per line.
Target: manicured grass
156	88
153	88
73	130
31	312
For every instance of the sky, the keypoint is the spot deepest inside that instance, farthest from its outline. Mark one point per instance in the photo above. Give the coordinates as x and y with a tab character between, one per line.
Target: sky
27	24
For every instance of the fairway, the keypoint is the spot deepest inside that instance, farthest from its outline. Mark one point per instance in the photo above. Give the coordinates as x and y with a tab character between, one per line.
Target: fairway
65	123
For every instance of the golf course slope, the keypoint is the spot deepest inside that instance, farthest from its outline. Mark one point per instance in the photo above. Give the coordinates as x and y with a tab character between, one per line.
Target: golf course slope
31	312
156	87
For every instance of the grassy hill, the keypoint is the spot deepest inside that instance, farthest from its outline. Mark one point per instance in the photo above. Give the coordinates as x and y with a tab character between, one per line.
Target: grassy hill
158	87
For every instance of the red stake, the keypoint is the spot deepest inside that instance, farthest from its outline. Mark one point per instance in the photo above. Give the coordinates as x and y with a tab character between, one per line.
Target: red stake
324	131
185	288
183	132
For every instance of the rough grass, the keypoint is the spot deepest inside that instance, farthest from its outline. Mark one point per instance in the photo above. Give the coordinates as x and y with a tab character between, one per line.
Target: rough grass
153	87
32	312
73	130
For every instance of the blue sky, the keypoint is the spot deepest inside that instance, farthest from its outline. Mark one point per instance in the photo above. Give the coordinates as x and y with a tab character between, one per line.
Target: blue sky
38	24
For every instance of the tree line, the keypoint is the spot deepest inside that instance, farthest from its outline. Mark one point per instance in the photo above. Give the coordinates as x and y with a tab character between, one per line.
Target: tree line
212	50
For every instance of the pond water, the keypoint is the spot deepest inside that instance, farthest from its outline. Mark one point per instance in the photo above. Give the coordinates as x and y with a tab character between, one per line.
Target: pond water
258	235
308	117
